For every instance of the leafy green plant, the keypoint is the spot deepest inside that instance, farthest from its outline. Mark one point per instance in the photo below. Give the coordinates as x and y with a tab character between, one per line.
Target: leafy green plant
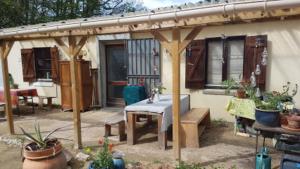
103	158
229	85
276	100
37	138
233	84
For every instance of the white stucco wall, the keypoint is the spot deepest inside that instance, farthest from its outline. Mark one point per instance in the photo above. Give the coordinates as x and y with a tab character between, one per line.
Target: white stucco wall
283	65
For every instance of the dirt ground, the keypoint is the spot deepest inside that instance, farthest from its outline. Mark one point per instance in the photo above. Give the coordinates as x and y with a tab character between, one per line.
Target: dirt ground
218	145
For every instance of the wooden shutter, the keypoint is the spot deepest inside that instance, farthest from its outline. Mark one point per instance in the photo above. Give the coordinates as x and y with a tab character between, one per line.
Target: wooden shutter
28	65
254	47
54	64
195	65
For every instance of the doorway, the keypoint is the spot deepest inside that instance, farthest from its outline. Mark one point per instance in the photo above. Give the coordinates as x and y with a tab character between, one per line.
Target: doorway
116	68
131	62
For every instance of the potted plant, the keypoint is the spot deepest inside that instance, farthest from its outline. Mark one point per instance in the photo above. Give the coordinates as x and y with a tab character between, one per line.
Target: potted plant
106	158
43	152
241	87
293	119
268	108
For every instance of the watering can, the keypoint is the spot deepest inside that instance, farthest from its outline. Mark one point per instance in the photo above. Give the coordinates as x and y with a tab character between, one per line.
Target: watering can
263	160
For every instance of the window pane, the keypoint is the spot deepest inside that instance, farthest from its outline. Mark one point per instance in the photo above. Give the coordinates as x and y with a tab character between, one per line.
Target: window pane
214	67
235	59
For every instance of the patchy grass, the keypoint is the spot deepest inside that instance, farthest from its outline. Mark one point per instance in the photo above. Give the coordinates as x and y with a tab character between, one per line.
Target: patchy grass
183	165
219	123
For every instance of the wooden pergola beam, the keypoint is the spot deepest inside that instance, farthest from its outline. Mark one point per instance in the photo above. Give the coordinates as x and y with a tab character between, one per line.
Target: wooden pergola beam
5	48
73	49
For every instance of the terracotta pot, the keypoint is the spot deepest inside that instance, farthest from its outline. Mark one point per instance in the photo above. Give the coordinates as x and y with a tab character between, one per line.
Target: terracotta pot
240	93
50	158
283	119
293	121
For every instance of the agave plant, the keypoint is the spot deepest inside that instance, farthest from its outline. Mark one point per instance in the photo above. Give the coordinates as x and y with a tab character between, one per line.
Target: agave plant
41	142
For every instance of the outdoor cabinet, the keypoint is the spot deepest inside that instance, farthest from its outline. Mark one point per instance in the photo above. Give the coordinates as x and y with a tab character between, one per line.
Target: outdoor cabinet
84	81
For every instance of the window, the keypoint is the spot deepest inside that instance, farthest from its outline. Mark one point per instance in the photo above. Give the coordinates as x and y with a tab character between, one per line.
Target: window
40	64
225	59
211	61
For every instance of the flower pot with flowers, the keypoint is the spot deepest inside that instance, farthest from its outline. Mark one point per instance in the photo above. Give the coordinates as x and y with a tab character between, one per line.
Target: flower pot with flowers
106	158
269	106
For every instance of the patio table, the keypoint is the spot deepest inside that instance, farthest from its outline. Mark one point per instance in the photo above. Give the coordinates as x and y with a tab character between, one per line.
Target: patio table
16	93
162	109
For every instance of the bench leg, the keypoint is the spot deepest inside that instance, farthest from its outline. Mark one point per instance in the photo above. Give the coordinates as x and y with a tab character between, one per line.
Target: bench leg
107	130
122	134
207	119
41	102
131	135
49	102
162	135
149	119
190	135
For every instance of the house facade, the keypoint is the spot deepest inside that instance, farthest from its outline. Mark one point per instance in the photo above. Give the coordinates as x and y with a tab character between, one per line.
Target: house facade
282	47
229	45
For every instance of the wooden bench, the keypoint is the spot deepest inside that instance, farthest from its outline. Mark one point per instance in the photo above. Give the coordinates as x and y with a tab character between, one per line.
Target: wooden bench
2	107
193	124
116	120
49	101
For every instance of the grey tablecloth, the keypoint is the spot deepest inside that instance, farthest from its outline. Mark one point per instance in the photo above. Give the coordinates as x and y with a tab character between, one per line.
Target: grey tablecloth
164	107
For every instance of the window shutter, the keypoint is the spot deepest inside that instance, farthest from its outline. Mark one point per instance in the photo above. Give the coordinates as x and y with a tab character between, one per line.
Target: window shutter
195	65
254	47
54	64
28	65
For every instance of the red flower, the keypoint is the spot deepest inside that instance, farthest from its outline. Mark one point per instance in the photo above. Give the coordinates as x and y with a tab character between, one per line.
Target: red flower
110	147
100	142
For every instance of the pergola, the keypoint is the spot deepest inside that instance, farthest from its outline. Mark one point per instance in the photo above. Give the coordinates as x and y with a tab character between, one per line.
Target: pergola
175	19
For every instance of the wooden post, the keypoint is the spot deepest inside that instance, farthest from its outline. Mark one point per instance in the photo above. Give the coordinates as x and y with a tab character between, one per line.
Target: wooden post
175	47
5	49
75	93
176	92
73	50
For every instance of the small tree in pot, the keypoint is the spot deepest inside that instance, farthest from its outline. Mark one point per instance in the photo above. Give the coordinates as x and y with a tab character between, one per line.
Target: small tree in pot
43	152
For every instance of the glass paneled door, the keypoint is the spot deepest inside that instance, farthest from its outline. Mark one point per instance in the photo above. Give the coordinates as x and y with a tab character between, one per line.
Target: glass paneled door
116	59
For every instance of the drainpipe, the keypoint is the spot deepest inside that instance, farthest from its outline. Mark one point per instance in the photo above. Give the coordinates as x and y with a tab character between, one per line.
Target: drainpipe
218	9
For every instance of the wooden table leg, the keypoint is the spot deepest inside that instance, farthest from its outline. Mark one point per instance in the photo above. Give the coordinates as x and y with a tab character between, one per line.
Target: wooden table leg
49	102
122	134
162	135
131	135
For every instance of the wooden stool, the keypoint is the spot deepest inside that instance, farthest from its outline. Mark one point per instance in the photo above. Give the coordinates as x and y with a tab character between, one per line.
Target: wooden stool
41	101
115	120
193	124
